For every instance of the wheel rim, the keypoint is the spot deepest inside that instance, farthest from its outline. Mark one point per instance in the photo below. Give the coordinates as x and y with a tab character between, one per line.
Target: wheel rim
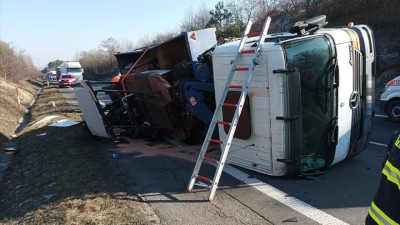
396	112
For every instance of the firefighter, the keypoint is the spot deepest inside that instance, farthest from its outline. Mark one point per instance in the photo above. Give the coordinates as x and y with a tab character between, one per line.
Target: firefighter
385	208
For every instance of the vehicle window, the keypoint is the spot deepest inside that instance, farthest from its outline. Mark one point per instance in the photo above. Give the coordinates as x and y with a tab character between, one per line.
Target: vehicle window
66	76
311	58
74	70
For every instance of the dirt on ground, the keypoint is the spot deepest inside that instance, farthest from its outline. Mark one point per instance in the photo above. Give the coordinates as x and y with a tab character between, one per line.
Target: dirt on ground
62	175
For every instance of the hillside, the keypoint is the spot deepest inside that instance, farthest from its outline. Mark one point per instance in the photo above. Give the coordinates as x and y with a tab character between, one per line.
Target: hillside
10	111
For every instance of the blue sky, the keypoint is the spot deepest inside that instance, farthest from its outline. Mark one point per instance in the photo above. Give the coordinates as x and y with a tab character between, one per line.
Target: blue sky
58	29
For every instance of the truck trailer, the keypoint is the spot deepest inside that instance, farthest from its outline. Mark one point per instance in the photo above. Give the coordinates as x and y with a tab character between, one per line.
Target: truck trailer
166	89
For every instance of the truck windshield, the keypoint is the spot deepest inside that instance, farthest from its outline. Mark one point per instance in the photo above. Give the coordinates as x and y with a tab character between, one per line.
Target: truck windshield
74	70
312	58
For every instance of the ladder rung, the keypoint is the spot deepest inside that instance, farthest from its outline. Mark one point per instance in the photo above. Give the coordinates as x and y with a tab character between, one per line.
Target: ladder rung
205	179
229	105
216	141
248	51
223	123
242	69
243	87
211	160
253	34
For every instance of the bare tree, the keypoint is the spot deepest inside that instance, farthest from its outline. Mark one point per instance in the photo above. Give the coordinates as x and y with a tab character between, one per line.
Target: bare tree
7	59
110	47
242	9
249	9
15	65
143	41
163	37
125	45
158	38
96	64
196	20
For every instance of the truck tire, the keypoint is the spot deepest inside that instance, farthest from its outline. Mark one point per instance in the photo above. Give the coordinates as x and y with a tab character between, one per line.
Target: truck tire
394	111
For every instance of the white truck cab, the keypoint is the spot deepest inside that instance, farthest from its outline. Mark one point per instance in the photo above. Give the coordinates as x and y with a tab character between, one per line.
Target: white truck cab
73	68
309	103
390	99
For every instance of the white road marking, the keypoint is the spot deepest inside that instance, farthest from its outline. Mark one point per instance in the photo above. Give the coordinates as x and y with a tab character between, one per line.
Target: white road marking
378	144
383	116
294	203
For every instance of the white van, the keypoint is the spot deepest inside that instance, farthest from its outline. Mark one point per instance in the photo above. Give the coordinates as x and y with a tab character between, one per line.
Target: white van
390	99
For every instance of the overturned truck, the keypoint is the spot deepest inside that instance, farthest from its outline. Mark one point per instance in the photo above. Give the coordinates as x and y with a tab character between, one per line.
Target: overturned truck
310	101
308	106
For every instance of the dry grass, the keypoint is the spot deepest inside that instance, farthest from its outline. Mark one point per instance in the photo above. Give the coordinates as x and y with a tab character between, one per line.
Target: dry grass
66	176
10	111
91	209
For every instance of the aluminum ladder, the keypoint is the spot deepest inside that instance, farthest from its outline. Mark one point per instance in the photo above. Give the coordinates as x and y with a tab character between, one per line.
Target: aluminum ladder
239	106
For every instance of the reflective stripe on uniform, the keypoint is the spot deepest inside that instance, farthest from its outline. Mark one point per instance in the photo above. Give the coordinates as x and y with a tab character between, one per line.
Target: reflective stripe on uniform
397	143
380	217
392	173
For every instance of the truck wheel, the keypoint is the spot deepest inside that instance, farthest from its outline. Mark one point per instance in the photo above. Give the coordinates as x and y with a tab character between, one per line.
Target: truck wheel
394	111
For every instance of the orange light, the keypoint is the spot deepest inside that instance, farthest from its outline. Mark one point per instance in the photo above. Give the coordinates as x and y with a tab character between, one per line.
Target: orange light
115	79
350	24
390	83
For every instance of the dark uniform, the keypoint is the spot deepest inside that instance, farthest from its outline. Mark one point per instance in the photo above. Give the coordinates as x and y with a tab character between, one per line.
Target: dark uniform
385	208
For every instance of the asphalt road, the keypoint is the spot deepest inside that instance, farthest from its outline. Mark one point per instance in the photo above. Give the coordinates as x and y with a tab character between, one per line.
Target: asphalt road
345	190
339	195
69	95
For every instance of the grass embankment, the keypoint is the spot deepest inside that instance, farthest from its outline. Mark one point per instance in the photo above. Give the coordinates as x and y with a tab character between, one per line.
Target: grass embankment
65	176
10	111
